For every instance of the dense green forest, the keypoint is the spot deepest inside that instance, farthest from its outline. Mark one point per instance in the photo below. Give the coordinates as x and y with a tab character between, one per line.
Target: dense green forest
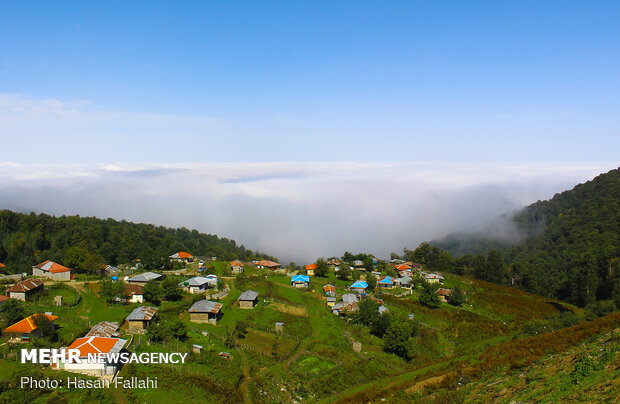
570	248
85	243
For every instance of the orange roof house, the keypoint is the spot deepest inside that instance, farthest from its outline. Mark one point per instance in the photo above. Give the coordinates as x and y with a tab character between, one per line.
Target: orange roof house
182	255
25	327
52	267
310	269
267	264
236	267
95	345
330	290
402	267
2	265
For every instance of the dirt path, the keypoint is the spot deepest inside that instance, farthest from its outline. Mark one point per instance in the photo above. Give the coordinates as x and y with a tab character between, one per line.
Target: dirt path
245	385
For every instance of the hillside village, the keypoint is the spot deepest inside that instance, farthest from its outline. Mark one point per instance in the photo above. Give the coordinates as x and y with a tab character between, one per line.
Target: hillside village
246	324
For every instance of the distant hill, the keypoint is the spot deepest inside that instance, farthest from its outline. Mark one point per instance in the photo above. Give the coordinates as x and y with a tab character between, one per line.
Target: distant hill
85	243
569	246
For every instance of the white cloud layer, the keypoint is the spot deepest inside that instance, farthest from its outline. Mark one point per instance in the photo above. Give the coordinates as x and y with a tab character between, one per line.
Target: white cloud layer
296	211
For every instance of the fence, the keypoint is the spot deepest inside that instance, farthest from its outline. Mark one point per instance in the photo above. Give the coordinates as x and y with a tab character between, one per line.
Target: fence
220	295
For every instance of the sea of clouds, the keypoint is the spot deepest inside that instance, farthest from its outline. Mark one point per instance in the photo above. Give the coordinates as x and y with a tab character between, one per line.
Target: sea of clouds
295	211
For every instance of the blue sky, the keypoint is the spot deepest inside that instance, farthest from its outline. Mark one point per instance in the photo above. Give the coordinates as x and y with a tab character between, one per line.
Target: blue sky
337	125
171	82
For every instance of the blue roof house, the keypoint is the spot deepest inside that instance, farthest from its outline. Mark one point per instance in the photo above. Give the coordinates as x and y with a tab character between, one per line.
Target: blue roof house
359	287
386	282
300	281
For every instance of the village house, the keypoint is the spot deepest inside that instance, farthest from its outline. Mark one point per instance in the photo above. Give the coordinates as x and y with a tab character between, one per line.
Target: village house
145	278
334	263
348	305
182	256
52	270
134	292
358	263
414	265
236	267
329	290
106	329
386	282
310	269
205	311
141	318
110	270
300	281
25	329
403	270
23	289
383	310
330	300
93	345
248	299
433	278
404	282
2	266
359	287
266	264
199	284
444	294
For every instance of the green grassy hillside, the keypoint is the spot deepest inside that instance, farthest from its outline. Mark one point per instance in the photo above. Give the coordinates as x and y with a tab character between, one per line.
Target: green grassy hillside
312	359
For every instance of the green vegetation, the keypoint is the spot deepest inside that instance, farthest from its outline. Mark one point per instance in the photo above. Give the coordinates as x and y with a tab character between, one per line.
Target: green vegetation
429	296
569	248
85	243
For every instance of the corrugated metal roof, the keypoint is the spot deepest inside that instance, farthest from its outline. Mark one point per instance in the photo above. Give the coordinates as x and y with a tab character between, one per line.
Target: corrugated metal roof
103	329
25	286
142	313
248	295
197	281
205	306
145	277
349	298
360	284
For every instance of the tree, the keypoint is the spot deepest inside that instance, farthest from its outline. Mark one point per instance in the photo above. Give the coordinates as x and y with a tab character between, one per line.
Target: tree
495	268
429	296
170	290
457	298
368	315
152	292
584	280
399	338
110	290
322	268
371	280
44	325
344	272
177	329
12	310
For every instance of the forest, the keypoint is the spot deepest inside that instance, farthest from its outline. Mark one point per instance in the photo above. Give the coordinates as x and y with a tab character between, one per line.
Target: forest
87	243
570	248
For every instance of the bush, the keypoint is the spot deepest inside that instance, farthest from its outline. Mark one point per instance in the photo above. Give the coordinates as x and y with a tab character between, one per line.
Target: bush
429	296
